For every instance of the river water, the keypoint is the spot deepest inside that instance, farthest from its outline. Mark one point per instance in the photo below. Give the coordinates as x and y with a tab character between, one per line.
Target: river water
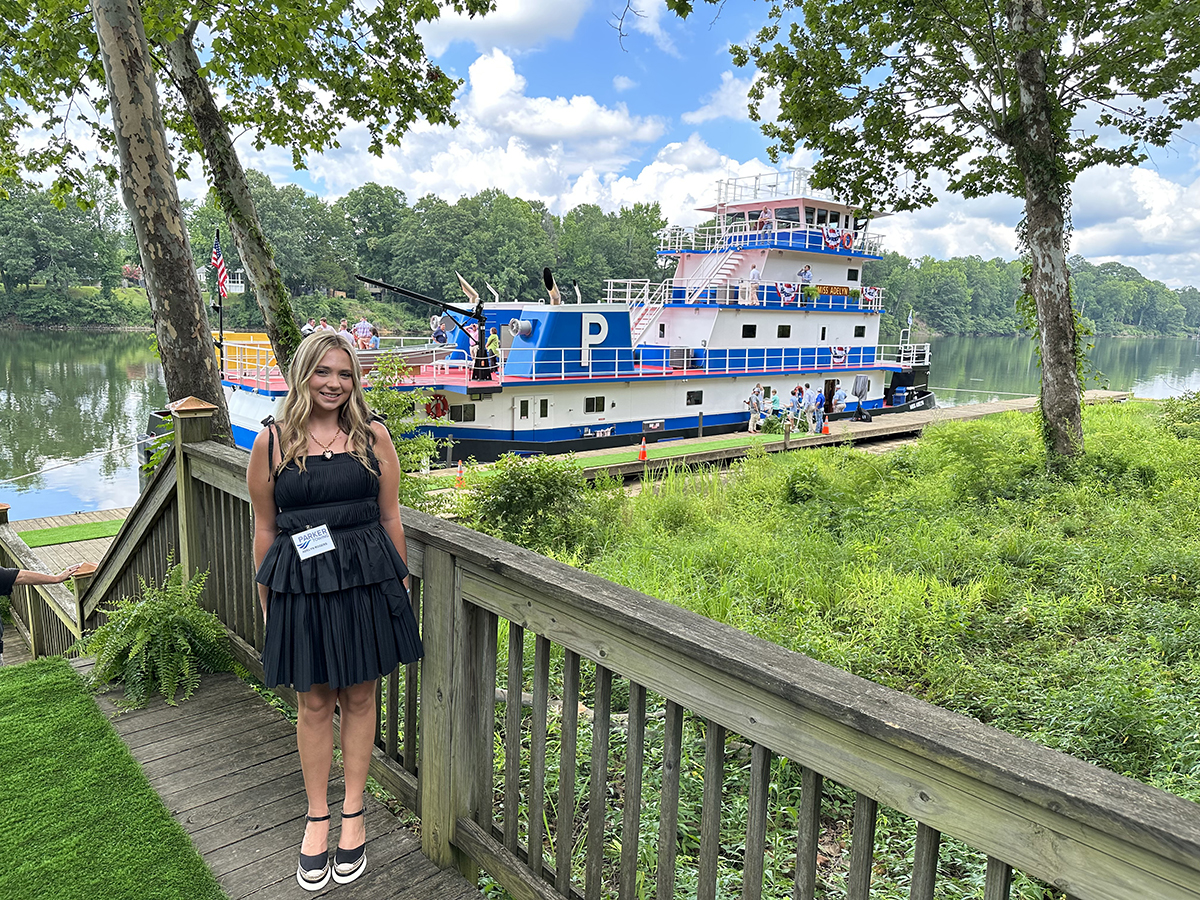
73	404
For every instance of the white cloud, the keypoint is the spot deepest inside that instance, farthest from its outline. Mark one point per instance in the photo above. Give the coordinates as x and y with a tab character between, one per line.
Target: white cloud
514	25
624	83
730	101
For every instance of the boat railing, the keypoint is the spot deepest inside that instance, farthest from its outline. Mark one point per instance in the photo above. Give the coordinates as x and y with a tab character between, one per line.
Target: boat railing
644	295
903	354
780	235
771	186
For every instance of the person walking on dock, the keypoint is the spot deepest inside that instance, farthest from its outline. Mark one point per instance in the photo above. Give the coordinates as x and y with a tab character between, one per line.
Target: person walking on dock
333	582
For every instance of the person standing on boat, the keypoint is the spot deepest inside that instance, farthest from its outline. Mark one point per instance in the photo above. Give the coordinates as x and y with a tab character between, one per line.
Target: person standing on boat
10	578
333	583
754	280
493	349
805	276
325	326
373	340
345	334
766	219
308	327
439	334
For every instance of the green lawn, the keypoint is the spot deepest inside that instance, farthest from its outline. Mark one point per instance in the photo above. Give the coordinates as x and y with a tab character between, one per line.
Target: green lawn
65	534
77	817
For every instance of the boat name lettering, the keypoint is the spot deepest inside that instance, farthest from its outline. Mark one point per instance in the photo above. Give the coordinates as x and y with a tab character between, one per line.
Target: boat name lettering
588	339
836	290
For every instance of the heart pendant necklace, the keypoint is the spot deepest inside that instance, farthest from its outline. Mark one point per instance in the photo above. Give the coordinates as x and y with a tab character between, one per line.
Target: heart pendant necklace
325	451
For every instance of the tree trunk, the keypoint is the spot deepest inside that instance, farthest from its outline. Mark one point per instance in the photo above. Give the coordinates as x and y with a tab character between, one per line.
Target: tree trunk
233	193
152	198
1037	155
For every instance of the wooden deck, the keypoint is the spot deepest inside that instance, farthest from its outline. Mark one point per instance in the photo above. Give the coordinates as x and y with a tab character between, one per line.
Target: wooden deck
58	556
226	766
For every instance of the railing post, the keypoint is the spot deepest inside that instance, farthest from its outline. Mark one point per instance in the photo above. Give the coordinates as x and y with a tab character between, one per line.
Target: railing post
82	579
193	420
449	763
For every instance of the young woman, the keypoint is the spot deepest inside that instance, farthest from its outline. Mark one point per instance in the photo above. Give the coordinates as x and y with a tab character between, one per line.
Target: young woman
333	583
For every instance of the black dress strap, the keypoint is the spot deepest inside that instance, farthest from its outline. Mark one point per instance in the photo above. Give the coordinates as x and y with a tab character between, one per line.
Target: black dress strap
269	421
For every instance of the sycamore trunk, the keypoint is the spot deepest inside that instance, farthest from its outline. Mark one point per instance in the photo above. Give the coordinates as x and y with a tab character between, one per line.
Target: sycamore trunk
1037	154
233	193
148	187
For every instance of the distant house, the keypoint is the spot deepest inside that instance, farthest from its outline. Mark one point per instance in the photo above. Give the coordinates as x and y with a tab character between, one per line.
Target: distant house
235	285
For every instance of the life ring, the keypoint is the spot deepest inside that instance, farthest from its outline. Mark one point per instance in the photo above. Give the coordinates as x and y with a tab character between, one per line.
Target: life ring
437	407
848	240
434	321
839	355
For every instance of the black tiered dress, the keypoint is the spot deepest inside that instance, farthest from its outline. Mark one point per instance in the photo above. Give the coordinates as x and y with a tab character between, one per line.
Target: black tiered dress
342	617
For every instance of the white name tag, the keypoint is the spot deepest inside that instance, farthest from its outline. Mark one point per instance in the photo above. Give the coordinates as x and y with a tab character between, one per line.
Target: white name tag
313	542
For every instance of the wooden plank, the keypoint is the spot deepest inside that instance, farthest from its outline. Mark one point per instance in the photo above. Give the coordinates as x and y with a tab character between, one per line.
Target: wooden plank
487	719
998	880
442	610
391	744
189	770
537	753
756	823
808	834
249	796
412	683
631	812
217	736
925	863
710	813
593	882
862	849
668	816
517	878
512	734
226	479
268	812
564	824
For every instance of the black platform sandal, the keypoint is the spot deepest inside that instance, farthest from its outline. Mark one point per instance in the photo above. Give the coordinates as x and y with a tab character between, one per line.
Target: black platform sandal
313	871
349	864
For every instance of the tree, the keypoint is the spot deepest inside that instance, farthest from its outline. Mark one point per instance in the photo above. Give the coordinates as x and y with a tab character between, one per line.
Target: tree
148	186
291	74
1016	97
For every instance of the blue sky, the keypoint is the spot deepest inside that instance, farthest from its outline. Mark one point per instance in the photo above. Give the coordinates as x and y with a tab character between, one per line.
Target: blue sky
554	107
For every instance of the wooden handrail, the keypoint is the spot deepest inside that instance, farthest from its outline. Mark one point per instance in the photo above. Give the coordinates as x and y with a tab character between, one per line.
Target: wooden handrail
1093	833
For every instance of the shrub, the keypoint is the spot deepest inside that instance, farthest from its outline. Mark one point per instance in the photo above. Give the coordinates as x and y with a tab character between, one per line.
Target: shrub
160	642
1181	415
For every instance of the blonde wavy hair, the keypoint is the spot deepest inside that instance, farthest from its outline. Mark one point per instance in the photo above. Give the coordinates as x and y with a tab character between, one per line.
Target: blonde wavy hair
354	417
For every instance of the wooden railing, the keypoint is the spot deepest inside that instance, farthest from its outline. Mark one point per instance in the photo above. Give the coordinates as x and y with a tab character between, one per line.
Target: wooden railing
46	615
555	648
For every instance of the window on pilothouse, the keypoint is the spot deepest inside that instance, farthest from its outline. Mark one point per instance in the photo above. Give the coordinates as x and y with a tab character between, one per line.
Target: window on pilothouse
860	330
810	213
593	404
822	216
835	217
787	214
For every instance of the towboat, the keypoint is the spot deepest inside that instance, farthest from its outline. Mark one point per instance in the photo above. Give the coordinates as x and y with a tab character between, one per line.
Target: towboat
770	292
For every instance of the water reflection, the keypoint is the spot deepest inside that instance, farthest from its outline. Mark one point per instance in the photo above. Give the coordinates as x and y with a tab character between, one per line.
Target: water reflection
975	370
65	396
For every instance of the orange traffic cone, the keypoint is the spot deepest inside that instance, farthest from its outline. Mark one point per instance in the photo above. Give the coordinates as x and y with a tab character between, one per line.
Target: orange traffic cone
642	451
458	481
825	428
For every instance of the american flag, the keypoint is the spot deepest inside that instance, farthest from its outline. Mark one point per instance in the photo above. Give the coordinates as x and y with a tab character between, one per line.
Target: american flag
218	262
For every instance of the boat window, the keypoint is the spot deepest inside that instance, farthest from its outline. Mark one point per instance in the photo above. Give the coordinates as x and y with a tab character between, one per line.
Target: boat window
823	328
662	329
860	330
822	216
787	214
834	217
695	398
524	409
810	213
544	408
749	331
852	274
593	404
464	413
783	331
735	217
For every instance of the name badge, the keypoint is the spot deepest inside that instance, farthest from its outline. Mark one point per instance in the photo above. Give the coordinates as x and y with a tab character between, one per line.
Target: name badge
313	542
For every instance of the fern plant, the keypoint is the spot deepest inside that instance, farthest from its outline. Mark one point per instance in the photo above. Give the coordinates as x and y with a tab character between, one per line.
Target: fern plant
161	641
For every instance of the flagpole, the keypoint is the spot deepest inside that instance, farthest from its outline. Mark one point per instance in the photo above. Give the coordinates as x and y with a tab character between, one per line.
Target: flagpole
220	342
